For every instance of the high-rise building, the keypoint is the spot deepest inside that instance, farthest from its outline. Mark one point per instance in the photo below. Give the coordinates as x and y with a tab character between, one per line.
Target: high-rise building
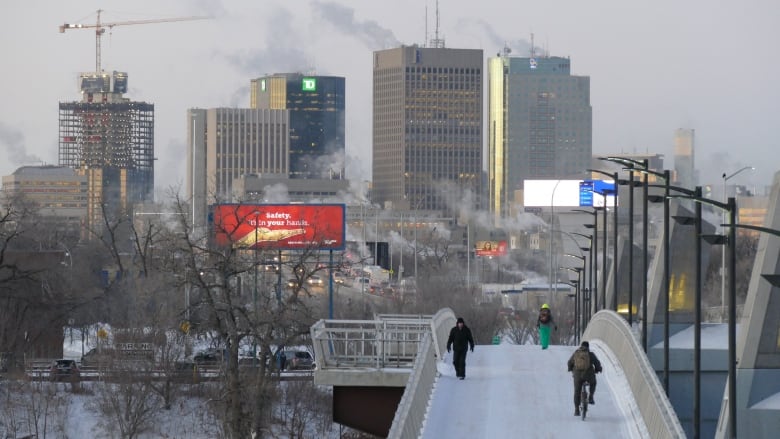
684	155
59	194
539	124
427	130
110	140
228	143
316	106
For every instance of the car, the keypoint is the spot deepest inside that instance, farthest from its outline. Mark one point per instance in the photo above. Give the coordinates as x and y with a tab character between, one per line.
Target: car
363	280
315	280
298	360
64	370
207	356
293	283
339	278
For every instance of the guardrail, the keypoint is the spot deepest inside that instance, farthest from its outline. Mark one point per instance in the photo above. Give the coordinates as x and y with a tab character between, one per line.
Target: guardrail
39	370
388	342
657	412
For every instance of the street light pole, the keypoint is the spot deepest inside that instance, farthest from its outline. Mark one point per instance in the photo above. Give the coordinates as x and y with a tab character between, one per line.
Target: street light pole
726	178
592	241
731	207
614	177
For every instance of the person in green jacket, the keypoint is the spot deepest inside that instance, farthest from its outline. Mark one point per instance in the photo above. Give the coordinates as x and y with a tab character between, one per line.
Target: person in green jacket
545	323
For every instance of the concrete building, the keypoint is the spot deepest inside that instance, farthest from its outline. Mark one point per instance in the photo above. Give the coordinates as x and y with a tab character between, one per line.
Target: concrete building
539	125
684	158
226	143
427	125
317	114
279	188
59	193
110	140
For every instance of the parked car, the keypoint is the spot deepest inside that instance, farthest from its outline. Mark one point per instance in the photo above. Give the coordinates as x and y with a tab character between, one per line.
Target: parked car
298	360
64	370
207	356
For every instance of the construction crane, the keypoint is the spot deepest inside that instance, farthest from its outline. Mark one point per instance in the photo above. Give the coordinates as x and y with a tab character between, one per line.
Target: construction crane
100	29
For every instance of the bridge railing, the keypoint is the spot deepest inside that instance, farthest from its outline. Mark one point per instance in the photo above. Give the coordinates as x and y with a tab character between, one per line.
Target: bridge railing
659	415
389	341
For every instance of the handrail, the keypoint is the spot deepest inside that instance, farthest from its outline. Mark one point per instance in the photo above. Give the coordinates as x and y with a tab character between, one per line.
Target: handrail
659	415
410	415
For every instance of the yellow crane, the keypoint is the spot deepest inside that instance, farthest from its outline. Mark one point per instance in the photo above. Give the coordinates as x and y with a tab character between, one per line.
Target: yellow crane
100	29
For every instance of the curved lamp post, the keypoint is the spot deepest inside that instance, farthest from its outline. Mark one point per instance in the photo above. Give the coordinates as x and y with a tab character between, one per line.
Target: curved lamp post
593	242
578	271
614	177
631	164
697	222
578	307
731	207
726	177
591	249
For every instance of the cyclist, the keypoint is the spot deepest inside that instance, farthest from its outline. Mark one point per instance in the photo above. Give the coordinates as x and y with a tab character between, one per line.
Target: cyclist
584	365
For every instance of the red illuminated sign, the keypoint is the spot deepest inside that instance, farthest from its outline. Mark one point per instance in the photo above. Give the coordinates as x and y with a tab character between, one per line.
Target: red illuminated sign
280	226
490	248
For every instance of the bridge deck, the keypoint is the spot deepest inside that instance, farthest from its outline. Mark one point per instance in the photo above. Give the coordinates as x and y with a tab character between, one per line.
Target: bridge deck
523	391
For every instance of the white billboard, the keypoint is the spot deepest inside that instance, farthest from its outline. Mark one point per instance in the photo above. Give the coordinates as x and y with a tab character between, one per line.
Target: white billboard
568	193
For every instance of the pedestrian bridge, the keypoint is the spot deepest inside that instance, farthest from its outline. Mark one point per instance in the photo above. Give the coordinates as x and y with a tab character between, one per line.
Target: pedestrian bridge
389	379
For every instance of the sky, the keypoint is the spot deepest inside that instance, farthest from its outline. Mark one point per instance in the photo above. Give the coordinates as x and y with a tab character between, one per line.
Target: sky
654	66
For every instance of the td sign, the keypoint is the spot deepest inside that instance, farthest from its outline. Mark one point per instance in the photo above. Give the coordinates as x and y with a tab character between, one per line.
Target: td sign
309	84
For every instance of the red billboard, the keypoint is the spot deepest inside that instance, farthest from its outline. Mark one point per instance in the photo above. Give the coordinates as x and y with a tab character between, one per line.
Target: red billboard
280	226
490	248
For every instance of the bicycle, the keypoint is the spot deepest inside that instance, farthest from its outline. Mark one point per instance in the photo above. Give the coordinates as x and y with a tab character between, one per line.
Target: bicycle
584	398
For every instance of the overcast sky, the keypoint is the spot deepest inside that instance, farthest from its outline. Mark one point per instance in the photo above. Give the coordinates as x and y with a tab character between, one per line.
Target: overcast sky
710	65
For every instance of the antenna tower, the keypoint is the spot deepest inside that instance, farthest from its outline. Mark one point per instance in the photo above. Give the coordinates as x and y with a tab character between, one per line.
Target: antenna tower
436	41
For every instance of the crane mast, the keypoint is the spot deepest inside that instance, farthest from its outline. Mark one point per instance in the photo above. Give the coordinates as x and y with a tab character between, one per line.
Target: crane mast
100	29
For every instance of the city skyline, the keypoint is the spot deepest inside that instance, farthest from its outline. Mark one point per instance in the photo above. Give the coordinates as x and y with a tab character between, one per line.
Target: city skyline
654	68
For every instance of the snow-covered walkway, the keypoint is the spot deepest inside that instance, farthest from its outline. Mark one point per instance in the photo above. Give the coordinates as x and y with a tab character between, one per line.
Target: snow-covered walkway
515	391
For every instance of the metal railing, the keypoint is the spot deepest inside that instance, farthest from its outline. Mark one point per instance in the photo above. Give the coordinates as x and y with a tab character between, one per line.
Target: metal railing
388	341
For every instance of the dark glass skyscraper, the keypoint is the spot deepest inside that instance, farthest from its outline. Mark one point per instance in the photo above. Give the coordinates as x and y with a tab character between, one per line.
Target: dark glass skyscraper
316	105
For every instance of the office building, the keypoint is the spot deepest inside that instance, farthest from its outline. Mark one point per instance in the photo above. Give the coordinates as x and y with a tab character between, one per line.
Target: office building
110	140
227	143
427	125
316	106
684	158
279	188
58	193
539	125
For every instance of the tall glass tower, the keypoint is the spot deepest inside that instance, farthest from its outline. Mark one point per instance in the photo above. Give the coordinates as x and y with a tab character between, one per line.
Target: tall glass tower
539	125
316	105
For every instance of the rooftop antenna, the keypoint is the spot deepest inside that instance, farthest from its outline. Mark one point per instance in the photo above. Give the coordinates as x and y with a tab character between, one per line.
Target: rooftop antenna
436	41
533	49
425	41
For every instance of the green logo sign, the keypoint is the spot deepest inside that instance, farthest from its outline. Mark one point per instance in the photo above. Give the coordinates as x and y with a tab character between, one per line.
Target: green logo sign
309	84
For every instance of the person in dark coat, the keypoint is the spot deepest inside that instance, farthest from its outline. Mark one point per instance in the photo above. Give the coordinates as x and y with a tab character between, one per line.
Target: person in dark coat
580	376
460	340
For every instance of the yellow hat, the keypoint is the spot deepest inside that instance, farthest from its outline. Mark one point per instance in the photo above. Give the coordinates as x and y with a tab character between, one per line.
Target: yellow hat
545	306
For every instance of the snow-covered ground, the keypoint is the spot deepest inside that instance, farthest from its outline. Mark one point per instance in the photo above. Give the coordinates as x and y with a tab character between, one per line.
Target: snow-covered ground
526	392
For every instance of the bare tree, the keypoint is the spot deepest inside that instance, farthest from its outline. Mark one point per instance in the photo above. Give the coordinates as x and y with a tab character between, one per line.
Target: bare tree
128	405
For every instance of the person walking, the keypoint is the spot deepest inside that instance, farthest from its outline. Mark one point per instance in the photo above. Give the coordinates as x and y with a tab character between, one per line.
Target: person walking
459	341
583	365
545	323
